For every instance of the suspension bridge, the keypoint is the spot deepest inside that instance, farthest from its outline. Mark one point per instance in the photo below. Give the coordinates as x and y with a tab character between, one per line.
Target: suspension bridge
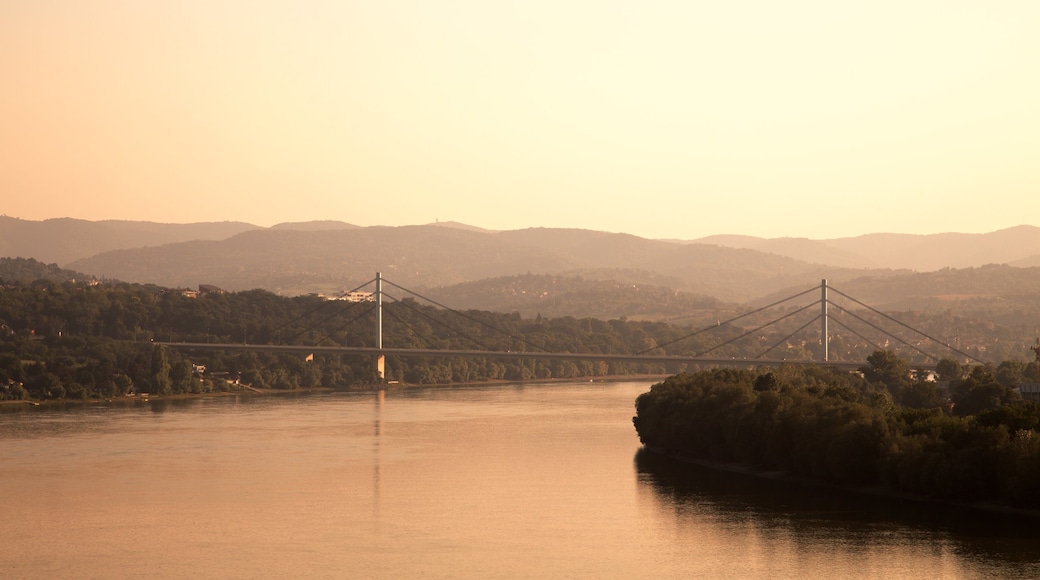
824	306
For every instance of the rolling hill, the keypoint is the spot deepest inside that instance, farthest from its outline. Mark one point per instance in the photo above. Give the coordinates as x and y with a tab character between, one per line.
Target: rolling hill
295	262
332	256
65	240
923	253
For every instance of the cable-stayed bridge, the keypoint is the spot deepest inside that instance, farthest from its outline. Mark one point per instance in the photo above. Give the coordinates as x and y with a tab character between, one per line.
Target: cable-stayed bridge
824	307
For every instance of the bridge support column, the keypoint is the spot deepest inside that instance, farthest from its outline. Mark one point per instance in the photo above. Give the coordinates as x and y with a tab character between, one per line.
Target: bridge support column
381	359
824	332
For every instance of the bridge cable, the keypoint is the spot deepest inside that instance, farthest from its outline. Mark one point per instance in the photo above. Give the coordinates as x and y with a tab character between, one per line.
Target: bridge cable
788	337
932	338
415	333
340	312
863	338
319	307
885	332
706	329
432	319
754	330
464	315
347	323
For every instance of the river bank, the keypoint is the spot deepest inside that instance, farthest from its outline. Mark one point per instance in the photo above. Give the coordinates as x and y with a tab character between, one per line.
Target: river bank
147	397
244	390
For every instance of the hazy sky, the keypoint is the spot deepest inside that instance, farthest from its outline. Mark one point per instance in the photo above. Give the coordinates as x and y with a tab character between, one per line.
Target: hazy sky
662	119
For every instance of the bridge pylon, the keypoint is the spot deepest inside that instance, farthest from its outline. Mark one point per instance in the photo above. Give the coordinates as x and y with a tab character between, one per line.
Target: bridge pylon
824	331
380	358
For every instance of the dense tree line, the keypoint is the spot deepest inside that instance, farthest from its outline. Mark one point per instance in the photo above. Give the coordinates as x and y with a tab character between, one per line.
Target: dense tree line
990	330
80	340
61	336
974	439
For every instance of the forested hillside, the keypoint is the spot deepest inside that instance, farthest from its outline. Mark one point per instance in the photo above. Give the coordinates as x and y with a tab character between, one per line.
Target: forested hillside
71	339
292	262
998	294
26	271
82	340
331	256
628	295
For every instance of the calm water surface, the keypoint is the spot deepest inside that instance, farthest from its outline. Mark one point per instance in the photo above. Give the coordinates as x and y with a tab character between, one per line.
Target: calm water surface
527	481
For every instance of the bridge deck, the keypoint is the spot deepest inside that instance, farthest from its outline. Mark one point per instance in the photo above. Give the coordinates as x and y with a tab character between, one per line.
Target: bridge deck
649	358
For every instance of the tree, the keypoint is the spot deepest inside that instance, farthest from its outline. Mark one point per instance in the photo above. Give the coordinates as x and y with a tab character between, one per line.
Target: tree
161	382
767	382
888	369
980	391
949	370
1011	372
124	385
922	395
181	376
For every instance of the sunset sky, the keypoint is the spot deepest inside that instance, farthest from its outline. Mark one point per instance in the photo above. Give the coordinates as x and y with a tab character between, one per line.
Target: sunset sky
807	118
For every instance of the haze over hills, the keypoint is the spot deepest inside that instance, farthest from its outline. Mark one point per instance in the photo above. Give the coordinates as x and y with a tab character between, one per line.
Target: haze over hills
627	294
461	226
295	262
812	251
923	253
333	256
314	226
946	288
1030	262
64	240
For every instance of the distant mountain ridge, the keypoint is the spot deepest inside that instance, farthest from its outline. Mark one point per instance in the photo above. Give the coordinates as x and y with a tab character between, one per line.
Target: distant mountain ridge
315	226
64	240
1019	245
331	256
295	262
460	226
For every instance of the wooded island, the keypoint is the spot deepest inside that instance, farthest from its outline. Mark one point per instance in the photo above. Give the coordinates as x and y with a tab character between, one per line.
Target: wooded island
974	440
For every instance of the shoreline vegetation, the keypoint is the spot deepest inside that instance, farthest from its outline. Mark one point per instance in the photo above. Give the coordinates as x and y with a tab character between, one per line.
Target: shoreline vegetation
75	340
243	390
69	339
972	443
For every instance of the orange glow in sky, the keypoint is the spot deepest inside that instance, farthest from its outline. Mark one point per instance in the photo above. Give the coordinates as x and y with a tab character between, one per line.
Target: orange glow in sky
679	119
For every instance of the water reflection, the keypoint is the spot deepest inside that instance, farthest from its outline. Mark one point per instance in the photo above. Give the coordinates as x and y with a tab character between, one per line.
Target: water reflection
479	482
377	466
848	526
160	406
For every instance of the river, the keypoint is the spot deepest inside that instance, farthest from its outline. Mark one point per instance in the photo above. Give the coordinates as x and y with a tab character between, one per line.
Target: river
514	481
